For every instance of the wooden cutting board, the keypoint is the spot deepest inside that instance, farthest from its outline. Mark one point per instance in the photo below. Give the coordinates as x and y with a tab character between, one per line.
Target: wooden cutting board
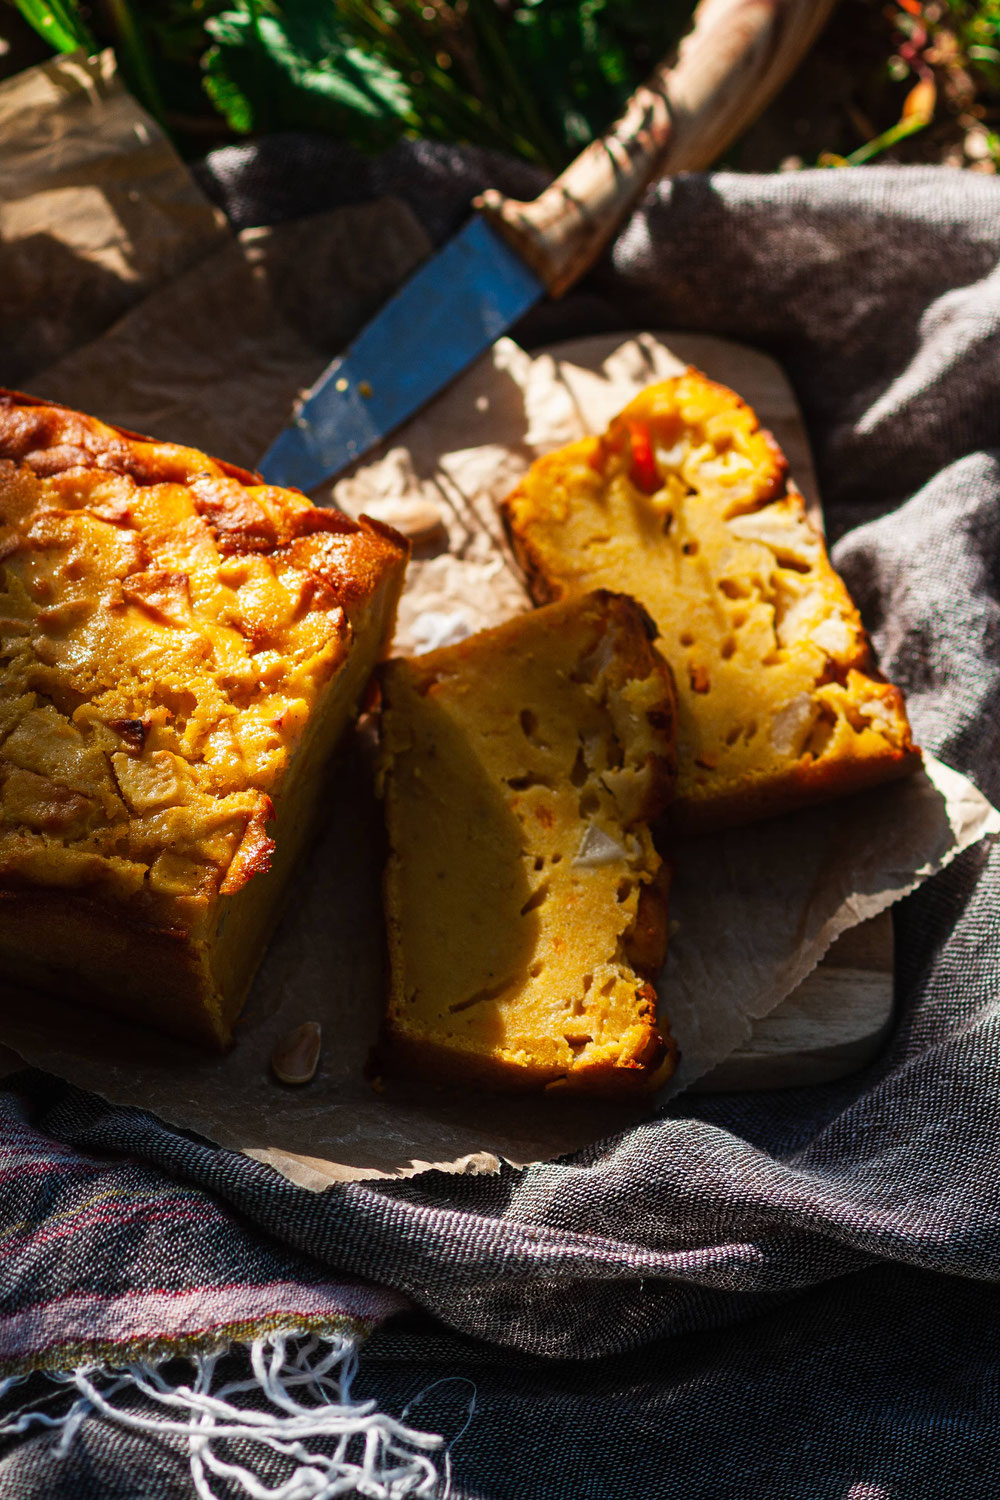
836	1021
840	1016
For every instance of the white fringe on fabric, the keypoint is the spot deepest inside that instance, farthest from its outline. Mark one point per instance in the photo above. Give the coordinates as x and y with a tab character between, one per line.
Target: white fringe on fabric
307	1381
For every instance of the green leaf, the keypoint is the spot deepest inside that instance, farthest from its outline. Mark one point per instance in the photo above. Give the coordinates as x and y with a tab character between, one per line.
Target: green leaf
226	94
536	77
59	22
297	68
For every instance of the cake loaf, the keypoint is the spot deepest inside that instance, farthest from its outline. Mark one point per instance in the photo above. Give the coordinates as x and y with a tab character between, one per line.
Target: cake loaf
683	503
525	900
180	648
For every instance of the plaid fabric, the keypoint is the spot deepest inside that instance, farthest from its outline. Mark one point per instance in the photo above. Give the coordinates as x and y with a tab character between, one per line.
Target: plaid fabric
780	1295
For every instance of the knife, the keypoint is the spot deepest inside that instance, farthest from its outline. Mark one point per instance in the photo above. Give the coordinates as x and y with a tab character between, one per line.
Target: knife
512	254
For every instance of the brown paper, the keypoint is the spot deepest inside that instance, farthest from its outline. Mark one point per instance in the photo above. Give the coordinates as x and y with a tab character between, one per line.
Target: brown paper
215	358
96	209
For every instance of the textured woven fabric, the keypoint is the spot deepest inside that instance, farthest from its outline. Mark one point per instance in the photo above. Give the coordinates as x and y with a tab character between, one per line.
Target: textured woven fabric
808	1271
103	1258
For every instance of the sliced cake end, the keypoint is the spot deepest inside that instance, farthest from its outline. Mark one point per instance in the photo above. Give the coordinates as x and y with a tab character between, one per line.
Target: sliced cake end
525	900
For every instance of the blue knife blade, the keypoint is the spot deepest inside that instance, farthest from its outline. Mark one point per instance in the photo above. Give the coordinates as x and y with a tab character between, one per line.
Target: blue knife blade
450	311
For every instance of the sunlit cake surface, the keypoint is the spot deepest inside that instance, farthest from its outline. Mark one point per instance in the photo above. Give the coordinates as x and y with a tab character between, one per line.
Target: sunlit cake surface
525	900
180	647
683	503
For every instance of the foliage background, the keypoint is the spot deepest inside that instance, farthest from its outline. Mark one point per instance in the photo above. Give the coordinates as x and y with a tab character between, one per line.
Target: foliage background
537	78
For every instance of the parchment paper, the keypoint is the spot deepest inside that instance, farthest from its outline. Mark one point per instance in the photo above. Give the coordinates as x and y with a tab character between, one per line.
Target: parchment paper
754	909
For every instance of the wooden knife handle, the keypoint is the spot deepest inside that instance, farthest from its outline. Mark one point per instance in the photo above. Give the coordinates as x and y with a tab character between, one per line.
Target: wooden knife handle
732	62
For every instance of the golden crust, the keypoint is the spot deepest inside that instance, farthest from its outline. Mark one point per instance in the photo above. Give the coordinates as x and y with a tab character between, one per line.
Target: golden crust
525	900
172	629
684	503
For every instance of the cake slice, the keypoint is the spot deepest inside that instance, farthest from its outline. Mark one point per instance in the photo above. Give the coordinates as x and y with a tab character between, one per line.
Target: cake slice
683	503
180	648
525	900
